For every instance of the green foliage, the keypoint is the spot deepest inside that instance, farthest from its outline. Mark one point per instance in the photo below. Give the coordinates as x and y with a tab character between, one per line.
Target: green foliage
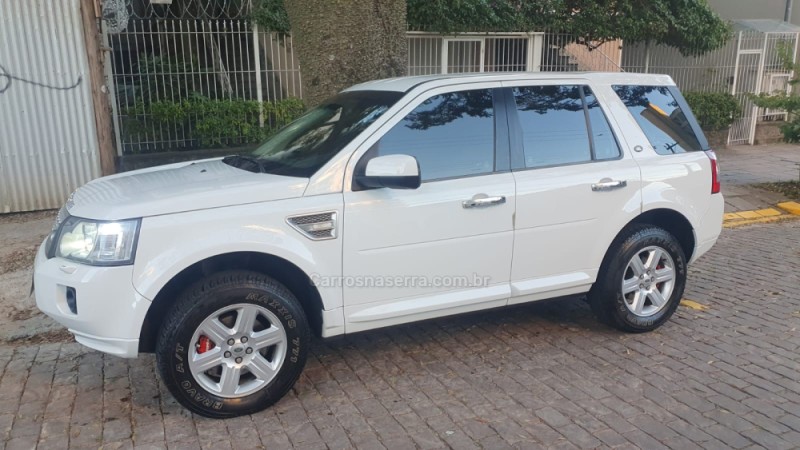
271	15
689	25
214	123
167	110
163	77
342	43
715	111
786	102
783	101
443	16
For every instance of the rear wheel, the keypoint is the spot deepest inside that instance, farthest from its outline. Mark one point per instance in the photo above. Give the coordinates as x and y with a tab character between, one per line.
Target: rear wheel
233	344
642	280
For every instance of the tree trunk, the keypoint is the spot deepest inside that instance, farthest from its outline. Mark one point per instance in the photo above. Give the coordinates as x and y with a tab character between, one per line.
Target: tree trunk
344	42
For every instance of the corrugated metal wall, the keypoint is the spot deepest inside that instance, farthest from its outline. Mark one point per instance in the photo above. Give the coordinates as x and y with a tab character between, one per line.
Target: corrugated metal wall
48	144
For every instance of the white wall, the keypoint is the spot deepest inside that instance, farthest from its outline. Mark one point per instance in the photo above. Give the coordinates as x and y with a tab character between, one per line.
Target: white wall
48	143
754	9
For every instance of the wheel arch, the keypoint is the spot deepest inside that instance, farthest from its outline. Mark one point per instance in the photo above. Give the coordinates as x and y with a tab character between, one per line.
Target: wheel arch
605	297
671	220
284	271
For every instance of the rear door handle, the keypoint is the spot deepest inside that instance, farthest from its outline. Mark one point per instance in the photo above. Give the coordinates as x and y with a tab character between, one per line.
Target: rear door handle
608	185
482	200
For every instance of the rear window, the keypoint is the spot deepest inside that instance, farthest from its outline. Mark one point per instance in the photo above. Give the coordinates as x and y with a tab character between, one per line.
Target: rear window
661	118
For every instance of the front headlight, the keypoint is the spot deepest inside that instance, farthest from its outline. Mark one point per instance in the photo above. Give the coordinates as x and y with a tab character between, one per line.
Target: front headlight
62	215
98	243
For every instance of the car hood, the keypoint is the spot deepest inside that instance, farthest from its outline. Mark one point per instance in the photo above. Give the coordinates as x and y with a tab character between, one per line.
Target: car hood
177	188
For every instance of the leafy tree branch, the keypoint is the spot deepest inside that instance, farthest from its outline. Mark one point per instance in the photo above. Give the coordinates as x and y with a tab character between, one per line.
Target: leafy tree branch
689	25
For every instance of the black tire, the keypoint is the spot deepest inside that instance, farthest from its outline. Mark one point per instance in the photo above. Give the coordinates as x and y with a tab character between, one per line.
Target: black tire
197	303
606	297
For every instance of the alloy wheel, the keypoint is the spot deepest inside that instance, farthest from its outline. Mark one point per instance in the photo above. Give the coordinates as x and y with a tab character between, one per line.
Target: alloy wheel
237	350
648	281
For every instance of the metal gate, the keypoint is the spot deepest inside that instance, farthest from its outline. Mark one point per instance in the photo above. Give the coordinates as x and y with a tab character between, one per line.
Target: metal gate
48	144
196	75
463	55
759	68
431	53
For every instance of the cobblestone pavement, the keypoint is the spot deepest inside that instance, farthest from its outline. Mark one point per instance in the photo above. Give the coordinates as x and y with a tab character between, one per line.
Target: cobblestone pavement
542	375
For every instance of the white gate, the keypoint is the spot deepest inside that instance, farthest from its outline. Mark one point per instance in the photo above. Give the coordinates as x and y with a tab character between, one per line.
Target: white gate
48	144
759	68
463	55
430	53
165	62
749	63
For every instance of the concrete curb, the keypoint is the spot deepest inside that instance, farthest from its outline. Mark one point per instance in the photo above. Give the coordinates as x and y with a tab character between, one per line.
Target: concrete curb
782	211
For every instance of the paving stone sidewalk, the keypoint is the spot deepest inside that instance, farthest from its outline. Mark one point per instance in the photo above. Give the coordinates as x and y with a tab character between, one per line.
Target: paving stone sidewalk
743	165
535	376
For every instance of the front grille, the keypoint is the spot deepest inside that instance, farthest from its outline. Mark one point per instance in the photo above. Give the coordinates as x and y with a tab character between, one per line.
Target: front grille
316	226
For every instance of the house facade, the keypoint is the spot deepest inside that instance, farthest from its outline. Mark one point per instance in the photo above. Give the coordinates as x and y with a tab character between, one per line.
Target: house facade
756	9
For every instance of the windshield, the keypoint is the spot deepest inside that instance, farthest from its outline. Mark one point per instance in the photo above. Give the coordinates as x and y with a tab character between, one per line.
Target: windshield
302	147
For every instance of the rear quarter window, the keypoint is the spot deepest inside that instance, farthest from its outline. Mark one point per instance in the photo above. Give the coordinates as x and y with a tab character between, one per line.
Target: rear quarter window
664	117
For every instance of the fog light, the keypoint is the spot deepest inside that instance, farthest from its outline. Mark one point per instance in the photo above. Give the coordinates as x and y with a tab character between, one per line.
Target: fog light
72	300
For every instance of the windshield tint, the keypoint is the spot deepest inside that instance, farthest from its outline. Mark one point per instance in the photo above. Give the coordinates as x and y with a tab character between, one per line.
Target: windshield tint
305	145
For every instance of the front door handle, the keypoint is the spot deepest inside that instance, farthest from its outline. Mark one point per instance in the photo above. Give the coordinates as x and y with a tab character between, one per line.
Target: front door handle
608	185
483	200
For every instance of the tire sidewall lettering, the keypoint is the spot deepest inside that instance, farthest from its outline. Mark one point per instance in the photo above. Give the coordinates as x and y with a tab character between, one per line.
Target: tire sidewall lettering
193	392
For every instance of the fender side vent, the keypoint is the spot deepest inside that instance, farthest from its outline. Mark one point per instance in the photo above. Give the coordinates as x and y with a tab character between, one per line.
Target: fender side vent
317	226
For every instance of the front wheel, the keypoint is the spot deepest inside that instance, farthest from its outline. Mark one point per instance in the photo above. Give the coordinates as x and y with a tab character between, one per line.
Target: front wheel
642	280
233	344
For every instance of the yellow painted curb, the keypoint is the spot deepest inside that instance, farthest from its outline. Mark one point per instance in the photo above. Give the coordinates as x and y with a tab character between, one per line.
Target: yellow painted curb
767	215
790	207
769	212
748	214
743	222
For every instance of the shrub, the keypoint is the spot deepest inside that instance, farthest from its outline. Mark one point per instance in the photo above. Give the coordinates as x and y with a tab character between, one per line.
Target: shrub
214	123
715	111
785	102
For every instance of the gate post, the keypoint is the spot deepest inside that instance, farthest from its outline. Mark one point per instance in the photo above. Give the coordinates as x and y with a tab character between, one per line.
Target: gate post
90	14
257	56
112	92
534	57
735	76
751	138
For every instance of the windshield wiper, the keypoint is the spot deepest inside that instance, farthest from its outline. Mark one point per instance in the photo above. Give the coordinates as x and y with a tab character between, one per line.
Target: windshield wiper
245	162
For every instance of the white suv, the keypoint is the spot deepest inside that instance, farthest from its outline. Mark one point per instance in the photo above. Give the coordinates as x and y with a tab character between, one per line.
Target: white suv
395	201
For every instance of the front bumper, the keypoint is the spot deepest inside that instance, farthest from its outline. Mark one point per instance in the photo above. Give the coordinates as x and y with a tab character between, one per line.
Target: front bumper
109	313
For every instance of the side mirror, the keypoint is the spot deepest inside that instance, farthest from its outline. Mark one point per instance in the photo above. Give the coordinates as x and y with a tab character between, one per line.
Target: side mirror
391	171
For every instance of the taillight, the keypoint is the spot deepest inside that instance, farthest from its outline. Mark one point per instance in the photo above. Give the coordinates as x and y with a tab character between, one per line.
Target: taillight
714	171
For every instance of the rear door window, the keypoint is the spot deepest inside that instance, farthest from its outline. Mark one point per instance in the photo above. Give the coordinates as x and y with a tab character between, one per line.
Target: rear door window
605	144
661	117
562	124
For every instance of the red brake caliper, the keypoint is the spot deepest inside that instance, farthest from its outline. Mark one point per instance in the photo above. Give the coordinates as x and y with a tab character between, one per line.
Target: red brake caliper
659	267
204	344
